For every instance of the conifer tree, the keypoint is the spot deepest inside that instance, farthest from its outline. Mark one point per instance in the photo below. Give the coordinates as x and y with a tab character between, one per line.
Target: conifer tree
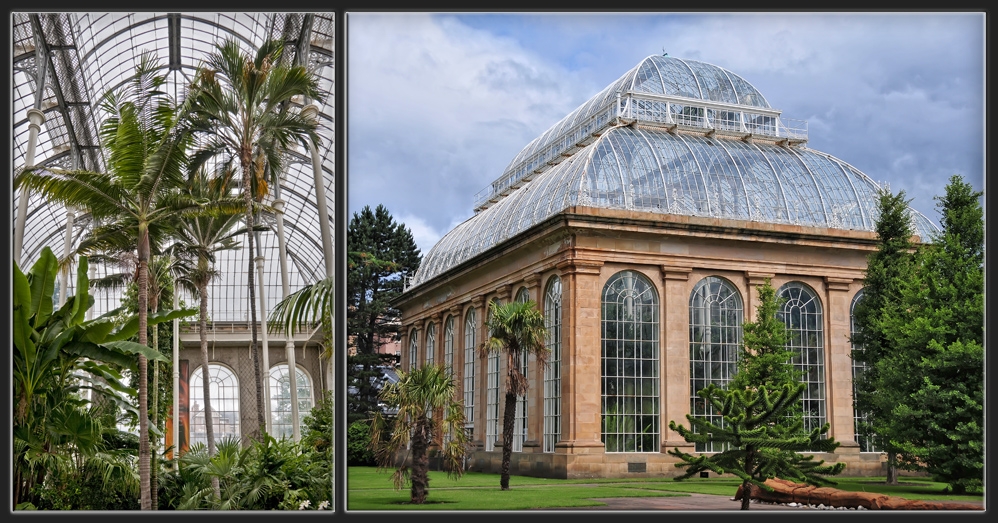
940	330
887	269
762	424
760	443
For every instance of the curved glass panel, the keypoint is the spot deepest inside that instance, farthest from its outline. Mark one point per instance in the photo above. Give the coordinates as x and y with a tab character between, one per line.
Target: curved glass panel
90	53
801	312
715	336
552	373
224	390
280	400
630	380
640	169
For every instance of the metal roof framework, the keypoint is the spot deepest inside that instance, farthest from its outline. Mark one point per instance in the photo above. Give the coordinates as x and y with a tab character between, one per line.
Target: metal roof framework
64	62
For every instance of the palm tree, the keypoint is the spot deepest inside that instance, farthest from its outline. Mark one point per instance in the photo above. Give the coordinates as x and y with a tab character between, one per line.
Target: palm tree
241	104
146	147
419	395
515	329
198	239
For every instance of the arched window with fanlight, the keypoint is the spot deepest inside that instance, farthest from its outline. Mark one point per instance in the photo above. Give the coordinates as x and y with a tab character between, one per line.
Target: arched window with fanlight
431	343
801	312
470	334
552	374
223	388
491	390
715	335
413	345
280	400
520	417
449	343
859	417
630	353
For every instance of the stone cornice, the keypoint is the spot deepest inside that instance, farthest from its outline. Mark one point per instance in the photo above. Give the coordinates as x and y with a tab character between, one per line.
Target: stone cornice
837	284
758	278
577	266
675	273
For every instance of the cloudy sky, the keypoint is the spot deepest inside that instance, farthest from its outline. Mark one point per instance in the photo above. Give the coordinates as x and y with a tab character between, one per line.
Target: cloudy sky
438	104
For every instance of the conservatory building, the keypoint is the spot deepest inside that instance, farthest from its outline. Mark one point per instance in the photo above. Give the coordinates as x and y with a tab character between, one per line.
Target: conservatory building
63	64
641	224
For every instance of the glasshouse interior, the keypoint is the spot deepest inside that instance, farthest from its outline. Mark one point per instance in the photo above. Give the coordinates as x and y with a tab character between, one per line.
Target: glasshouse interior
641	224
173	183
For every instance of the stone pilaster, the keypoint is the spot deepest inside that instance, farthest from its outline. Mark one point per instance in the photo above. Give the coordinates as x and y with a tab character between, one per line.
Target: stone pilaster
754	280
581	356
674	354
838	376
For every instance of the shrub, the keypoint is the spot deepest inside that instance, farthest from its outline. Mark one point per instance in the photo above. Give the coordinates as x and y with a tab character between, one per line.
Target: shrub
359	444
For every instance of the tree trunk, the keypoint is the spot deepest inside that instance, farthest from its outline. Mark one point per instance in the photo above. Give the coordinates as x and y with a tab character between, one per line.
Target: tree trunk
246	160
507	438
154	455
420	464
145	500
208	426
892	468
746	495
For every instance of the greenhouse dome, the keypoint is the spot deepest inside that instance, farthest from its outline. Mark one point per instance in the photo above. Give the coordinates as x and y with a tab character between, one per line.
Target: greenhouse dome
675	137
64	62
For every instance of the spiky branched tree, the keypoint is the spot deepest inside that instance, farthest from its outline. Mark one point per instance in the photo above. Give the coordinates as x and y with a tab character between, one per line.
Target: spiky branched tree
760	443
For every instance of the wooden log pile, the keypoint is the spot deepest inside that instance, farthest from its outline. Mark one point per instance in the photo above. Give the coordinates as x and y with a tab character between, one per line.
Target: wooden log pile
789	492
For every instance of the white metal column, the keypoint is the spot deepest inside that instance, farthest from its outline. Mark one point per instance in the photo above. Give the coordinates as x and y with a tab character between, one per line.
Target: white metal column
289	344
36	119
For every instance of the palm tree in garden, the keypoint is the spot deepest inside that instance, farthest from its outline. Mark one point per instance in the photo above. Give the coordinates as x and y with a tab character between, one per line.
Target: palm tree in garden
419	395
515	329
242	106
198	239
146	148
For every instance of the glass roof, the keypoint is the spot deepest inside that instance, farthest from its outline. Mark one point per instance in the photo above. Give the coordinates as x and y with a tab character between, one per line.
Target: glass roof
64	62
647	168
656	75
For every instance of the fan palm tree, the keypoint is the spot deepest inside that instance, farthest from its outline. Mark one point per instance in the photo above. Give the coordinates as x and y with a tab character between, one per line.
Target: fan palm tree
146	145
515	329
198	239
419	395
242	106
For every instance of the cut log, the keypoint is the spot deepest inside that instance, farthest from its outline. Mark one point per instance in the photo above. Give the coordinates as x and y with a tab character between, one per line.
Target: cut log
789	492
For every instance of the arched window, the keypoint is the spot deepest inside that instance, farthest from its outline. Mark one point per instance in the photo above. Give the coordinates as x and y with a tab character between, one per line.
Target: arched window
801	312
552	374
224	390
413	344
470	334
520	418
431	343
280	400
715	334
449	343
630	388
865	442
492	392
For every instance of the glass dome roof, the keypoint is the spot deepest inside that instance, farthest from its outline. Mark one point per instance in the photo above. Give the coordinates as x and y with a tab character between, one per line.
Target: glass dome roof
82	55
647	168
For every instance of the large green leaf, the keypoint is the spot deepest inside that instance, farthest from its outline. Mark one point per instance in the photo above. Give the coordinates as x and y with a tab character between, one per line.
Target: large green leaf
82	301
22	304
131	327
137	348
42	279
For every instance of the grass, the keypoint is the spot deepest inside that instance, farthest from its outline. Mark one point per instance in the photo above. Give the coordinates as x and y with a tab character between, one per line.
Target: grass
369	489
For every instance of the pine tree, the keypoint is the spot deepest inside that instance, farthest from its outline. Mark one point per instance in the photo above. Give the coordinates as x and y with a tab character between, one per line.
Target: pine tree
941	337
887	269
762	431
382	255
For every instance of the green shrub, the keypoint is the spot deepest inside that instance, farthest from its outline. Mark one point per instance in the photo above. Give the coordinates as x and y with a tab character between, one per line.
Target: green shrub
359	444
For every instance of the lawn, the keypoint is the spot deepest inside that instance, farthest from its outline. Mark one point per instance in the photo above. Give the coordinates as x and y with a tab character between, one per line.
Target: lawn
369	489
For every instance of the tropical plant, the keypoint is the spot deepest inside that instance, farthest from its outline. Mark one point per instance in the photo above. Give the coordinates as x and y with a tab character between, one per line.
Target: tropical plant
515	329
57	354
422	396
242	106
198	239
146	144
